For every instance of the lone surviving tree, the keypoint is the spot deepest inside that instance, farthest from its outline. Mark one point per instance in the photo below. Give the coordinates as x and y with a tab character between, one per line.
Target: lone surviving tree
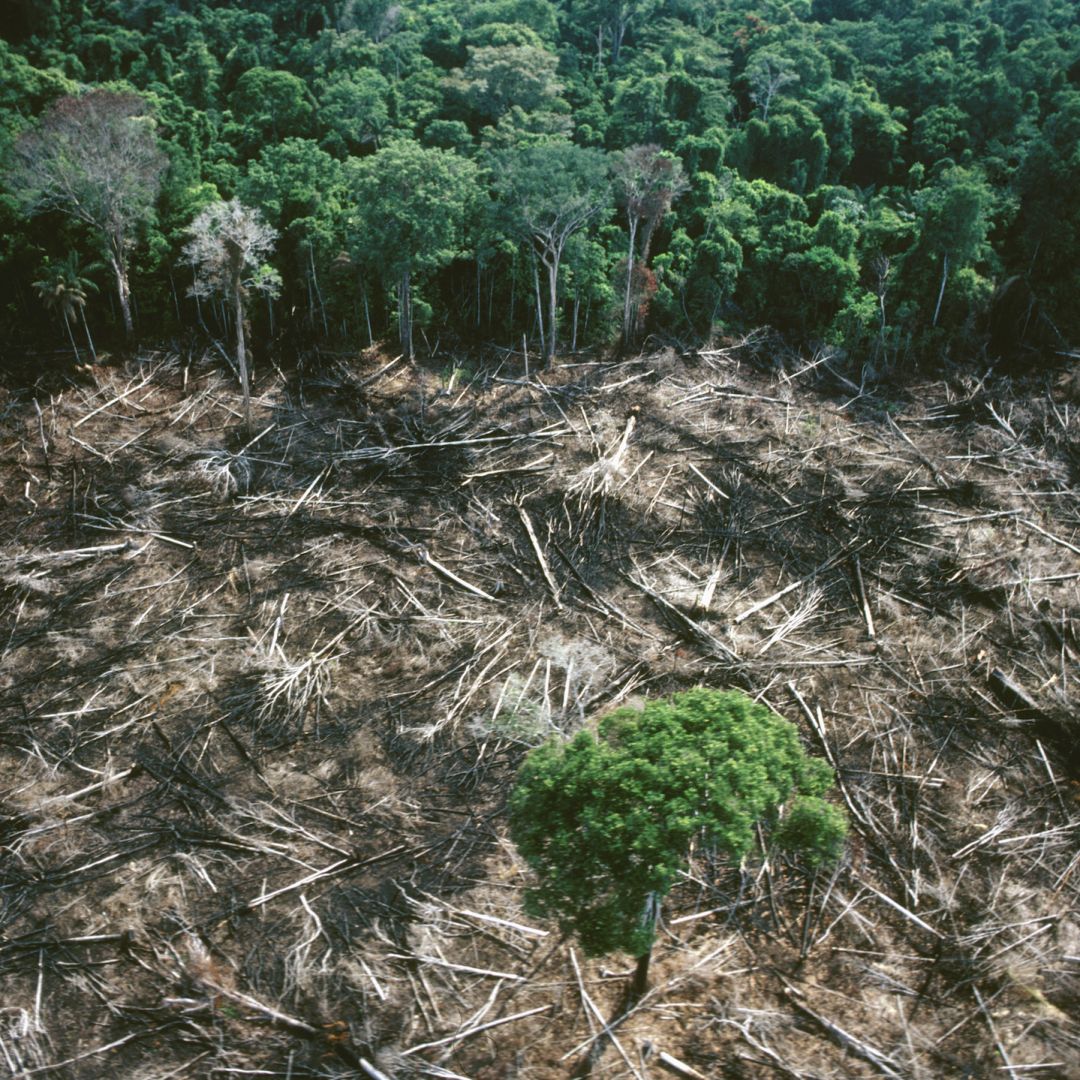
96	159
228	244
608	822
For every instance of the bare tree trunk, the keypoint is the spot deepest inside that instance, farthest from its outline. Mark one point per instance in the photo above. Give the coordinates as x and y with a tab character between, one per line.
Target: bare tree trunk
241	353
86	330
941	292
405	319
123	292
539	305
618	32
513	295
640	981
318	291
647	237
650	915
199	314
175	298
367	315
552	265
310	300
626	327
71	338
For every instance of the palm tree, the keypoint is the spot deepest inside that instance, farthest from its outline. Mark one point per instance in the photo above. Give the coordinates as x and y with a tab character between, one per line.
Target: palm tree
64	289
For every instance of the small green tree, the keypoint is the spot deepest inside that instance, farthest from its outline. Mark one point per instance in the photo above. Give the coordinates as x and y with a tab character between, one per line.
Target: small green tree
63	288
607	822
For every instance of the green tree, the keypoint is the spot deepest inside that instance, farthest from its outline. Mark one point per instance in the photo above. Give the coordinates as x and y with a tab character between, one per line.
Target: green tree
498	77
551	191
271	105
63	288
790	149
767	74
538	15
299	189
411	203
1049	217
613	18
955	223
608	821
353	105
199	75
826	273
769	224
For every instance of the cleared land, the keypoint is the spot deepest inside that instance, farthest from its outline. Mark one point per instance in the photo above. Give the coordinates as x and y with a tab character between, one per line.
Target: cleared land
262	697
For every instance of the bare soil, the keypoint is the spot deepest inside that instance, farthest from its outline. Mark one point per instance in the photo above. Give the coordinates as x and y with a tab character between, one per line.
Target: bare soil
262	696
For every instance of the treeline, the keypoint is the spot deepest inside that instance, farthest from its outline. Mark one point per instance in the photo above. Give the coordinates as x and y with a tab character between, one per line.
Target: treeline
898	178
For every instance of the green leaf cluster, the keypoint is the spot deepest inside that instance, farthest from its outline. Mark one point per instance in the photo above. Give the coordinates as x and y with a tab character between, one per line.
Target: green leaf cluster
608	820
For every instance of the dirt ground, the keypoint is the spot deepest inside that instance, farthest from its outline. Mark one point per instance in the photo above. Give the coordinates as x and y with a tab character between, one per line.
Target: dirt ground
262	695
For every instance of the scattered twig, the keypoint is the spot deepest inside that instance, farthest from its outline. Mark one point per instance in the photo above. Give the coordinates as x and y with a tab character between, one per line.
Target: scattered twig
468	1033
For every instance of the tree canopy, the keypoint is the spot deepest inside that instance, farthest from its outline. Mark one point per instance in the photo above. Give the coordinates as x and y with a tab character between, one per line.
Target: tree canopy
941	136
607	821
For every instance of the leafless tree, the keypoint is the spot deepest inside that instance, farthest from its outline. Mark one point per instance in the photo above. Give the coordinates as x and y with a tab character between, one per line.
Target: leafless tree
768	75
228	244
648	181
96	159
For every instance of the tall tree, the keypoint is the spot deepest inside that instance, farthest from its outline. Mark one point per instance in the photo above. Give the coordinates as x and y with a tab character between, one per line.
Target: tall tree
298	187
411	203
551	191
955	223
96	159
229	243
767	75
648	181
613	18
498	77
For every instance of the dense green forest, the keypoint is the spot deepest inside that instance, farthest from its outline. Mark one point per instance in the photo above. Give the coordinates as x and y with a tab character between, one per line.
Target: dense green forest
895	178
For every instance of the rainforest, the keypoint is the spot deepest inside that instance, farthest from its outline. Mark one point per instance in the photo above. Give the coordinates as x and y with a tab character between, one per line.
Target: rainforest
894	180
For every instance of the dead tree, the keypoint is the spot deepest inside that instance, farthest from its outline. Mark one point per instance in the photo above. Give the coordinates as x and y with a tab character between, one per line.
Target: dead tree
228	244
96	159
